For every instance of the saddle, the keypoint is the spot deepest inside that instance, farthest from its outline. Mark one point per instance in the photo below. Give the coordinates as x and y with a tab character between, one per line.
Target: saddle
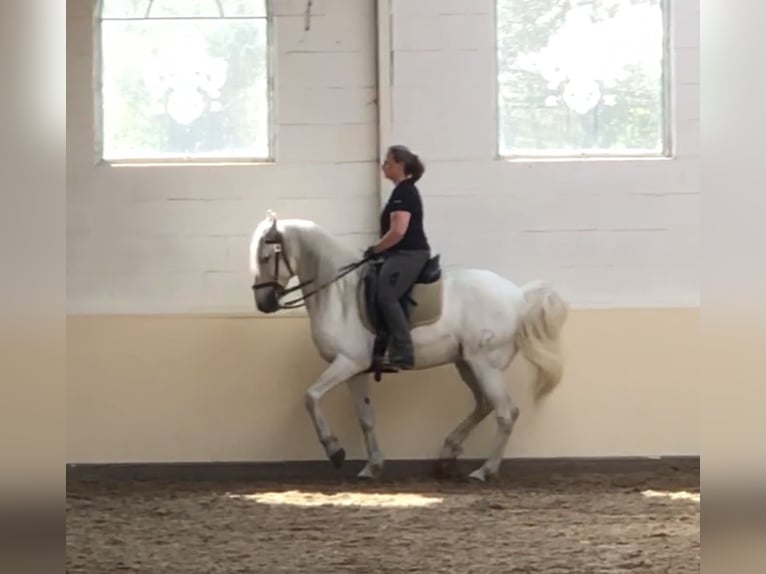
421	304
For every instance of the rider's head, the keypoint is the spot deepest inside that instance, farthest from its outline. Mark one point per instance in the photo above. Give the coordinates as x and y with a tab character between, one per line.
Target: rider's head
402	164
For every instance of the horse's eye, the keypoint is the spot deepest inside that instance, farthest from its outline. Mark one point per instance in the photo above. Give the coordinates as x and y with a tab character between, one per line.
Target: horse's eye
265	259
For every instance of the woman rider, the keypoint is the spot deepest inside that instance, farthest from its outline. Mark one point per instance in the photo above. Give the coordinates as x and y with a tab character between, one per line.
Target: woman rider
404	247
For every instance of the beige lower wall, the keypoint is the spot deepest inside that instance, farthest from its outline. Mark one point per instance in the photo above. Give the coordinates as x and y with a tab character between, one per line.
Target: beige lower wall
167	388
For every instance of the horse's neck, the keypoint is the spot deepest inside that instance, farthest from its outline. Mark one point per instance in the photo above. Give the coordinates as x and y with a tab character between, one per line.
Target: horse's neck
320	259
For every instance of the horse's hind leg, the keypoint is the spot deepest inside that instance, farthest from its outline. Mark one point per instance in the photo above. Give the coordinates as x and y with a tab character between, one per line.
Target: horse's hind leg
492	383
453	444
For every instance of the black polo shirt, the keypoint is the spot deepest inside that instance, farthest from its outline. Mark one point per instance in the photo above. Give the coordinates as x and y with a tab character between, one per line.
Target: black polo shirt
406	197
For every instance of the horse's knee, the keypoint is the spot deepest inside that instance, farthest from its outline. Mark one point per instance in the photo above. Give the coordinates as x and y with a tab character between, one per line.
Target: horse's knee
515	412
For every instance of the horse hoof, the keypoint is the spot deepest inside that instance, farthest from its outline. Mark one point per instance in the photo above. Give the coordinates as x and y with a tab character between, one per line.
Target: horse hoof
371	472
446	468
478	476
338	458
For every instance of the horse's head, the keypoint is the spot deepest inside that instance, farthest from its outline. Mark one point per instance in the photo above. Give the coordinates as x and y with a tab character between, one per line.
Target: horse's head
270	264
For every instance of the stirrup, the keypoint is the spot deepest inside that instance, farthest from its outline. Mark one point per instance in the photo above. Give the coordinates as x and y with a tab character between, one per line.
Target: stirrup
380	366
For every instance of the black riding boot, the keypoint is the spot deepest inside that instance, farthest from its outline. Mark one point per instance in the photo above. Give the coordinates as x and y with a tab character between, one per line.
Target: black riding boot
400	351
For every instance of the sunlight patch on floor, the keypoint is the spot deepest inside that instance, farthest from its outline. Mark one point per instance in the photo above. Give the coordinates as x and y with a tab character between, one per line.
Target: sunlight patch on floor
678	495
363	499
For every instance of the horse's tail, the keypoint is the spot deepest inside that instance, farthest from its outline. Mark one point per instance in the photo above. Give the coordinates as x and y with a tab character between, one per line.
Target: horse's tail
538	337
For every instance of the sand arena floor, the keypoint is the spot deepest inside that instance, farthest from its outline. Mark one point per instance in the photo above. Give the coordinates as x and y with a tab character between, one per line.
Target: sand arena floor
578	523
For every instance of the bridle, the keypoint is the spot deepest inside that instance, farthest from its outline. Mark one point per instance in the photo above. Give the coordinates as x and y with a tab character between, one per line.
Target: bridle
279	256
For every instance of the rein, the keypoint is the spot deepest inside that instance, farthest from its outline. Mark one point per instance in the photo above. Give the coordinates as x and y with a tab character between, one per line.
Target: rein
281	291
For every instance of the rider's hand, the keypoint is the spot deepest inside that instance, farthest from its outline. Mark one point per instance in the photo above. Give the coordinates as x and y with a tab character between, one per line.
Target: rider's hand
369	253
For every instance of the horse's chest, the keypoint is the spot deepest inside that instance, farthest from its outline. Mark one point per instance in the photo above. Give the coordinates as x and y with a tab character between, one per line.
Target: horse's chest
327	343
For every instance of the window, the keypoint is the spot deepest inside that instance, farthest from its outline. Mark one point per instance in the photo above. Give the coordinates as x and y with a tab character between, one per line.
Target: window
184	80
582	78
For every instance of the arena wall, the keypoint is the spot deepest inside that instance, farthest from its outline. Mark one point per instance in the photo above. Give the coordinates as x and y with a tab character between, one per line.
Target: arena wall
168	360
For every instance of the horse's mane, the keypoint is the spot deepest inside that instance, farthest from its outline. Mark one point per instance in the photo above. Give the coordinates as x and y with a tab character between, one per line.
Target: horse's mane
321	253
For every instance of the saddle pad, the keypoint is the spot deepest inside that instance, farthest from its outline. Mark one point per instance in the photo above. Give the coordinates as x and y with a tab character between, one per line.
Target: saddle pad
429	299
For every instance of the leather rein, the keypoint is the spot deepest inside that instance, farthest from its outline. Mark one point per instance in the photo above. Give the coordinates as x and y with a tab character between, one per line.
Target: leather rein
279	256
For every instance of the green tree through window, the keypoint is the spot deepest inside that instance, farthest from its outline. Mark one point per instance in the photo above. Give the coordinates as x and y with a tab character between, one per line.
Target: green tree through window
581	77
184	79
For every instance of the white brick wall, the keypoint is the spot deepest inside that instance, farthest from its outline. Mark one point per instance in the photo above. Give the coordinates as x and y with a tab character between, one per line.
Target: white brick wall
609	233
174	239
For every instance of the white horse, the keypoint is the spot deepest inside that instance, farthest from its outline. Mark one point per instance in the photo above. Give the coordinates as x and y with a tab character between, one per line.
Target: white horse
485	321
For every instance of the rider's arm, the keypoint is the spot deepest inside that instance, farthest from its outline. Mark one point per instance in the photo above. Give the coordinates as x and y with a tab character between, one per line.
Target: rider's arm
399	222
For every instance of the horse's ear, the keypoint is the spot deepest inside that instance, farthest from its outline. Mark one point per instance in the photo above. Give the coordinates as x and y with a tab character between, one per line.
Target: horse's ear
271	217
273	229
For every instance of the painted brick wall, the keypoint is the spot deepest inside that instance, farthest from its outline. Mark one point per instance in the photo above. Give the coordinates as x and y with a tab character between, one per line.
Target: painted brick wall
609	233
175	239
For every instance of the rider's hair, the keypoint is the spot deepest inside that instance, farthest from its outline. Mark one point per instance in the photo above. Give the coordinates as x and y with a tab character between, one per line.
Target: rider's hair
413	167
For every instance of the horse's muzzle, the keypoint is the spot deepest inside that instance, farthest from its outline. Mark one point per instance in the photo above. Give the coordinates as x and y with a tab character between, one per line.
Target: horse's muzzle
267	297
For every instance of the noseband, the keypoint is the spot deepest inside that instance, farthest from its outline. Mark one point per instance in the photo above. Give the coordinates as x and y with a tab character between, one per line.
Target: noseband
279	256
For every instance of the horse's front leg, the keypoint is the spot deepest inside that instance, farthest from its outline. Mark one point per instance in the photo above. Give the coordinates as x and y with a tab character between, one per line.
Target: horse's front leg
359	386
341	369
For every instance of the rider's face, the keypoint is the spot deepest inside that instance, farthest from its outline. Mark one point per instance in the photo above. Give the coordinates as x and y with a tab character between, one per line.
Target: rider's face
392	170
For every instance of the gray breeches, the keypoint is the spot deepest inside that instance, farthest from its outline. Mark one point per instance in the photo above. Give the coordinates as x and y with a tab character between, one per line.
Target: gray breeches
398	273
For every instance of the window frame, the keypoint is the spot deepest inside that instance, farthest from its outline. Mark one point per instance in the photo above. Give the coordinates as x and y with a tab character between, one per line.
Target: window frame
668	112
98	106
